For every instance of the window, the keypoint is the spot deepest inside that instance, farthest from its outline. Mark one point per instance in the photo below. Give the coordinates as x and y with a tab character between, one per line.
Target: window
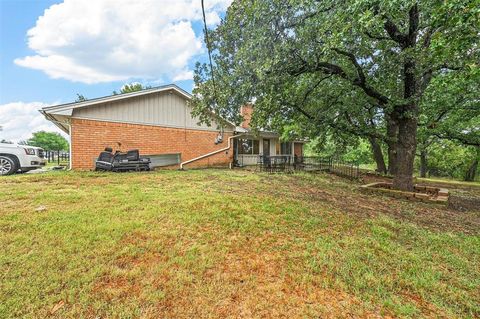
247	146
286	148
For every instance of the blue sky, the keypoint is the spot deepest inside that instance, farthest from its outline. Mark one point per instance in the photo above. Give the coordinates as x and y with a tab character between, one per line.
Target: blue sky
50	50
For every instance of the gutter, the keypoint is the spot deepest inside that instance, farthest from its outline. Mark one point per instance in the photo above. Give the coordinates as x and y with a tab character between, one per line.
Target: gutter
211	153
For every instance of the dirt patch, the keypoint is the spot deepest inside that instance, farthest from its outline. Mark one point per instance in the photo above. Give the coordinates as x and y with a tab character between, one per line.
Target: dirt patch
111	287
338	194
350	200
254	285
253	278
464	203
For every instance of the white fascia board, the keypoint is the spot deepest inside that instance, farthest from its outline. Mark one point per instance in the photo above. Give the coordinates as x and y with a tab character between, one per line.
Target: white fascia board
268	134
240	129
67	112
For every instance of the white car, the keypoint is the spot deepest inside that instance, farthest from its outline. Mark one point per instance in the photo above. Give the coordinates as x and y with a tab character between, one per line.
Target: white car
20	158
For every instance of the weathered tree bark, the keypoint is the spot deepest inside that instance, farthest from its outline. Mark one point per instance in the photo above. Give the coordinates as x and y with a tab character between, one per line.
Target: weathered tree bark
378	155
472	169
391	140
406	115
406	147
423	163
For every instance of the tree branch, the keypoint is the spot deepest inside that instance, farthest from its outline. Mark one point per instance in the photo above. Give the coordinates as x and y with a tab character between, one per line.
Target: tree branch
361	81
333	69
427	76
462	139
299	109
394	32
353	59
309	91
377	37
427	39
300	20
413	22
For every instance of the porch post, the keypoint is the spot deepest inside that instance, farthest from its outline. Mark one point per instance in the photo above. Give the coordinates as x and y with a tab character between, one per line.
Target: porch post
292	153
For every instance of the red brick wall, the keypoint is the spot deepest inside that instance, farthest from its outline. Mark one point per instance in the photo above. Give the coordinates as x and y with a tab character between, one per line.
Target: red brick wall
89	138
246	111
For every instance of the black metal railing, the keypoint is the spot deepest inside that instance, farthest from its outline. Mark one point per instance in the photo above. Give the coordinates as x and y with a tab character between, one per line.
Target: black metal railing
312	163
57	156
345	169
288	163
276	163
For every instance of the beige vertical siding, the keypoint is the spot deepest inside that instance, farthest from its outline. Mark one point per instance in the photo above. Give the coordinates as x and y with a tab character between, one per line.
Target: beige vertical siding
163	109
273	143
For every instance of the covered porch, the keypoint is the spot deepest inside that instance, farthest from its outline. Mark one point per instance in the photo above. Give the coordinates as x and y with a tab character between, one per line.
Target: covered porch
252	150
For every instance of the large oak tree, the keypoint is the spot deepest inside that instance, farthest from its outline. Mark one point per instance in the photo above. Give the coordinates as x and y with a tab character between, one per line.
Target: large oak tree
356	66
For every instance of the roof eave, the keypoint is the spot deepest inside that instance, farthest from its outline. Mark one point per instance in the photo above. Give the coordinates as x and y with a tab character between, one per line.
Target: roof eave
60	125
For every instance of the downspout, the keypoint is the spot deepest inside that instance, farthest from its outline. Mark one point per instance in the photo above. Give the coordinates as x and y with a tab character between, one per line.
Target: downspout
211	153
70	148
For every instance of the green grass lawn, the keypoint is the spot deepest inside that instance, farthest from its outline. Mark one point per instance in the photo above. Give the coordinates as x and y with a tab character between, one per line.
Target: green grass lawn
439	180
55	163
221	243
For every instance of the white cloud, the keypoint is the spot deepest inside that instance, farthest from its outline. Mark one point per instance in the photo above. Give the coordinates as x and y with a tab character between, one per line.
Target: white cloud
113	40
184	75
19	120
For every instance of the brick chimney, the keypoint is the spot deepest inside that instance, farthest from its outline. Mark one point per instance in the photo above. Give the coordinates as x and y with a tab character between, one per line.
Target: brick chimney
246	112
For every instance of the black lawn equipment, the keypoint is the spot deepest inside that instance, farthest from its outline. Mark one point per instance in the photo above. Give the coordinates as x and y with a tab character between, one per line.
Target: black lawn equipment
121	162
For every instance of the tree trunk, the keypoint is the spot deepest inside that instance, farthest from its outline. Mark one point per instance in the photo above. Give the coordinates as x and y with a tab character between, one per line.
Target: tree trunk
378	155
392	133
406	148
472	170
406	115
423	163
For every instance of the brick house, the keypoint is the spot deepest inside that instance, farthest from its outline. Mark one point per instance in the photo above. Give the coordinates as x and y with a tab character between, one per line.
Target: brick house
158	122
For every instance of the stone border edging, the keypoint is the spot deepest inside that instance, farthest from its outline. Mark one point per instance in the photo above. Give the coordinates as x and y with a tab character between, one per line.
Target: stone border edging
427	194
